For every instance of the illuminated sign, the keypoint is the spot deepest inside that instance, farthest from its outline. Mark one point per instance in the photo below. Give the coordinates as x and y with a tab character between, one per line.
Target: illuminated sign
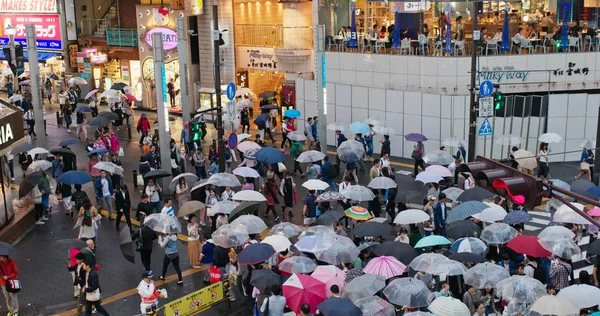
169	37
164	83
47	29
29	6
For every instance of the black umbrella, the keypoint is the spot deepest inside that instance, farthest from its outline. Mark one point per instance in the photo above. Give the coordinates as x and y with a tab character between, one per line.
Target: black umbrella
22	148
118	86
464	228
255	253
267	94
330	217
467	257
157	174
244	208
265	279
269	107
475	194
594	248
261	119
7	249
110	115
51	76
62	151
373	229
68	142
126	244
29	183
99	121
399	250
70	243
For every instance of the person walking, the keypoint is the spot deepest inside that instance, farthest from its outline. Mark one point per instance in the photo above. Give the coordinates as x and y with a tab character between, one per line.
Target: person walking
152	191
143	126
146	237
169	242
308	132
328	173
245	120
459	158
185	138
309	213
29	117
168	208
88	225
543	169
193	241
66	111
584	165
559	273
440	212
105	192
287	126
417	155
9	272
92	291
149	295
295	151
270	191
199	162
123	206
81	129
287	189
114	143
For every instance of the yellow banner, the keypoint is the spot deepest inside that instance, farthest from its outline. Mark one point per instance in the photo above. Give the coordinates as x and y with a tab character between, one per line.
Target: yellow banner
195	302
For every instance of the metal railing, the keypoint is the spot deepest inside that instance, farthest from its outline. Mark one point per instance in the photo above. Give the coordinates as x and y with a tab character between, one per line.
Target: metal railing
259	35
88	27
122	37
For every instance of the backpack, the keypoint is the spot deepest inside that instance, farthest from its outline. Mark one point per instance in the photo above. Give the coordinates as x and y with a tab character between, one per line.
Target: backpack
539	273
331	172
227	153
298	151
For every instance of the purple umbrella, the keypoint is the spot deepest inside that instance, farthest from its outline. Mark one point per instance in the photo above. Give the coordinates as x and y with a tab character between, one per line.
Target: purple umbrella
415	137
517	217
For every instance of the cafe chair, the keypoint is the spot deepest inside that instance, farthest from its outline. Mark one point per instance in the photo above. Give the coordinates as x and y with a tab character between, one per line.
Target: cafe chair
423	44
379	44
405	47
525	44
331	43
459	46
491	45
438	47
574	43
367	44
592	46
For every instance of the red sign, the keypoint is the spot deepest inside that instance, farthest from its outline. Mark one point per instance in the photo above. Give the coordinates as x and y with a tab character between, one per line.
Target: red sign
288	93
47	29
30	6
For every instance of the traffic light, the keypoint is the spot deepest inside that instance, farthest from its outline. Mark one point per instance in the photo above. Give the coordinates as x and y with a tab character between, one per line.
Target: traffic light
521	188
195	131
499	100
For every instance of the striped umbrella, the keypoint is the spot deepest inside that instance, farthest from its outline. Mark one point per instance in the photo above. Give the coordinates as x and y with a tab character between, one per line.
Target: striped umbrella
385	266
465	210
468	244
358	213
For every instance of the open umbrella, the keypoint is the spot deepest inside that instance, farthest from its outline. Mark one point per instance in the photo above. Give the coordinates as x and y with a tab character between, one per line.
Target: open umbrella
359	127
358	193
551	138
110	93
525	288
336	127
438	157
454	142
244	208
300	289
264	279
401	251
74	177
162	223
464	228
100	152
189	178
350	151
372	229
385	266
516	217
411	217
250	223
267	94
428	177
468	244
242	137
561	247
336	250
448	306
91	94
555	305
29	183
315	184
465	210
24	82
355	273
297	265
594	248
99	121
508	140
224	180
7	249
408	292
467	257
358	213
384	130
222	207
555	232
39	165
582	186
584	296
279	242
330	217
415	137
382	183
270	155
564	214
425	261
475	194
498	233
440	170
22	148
15	98
375	306
588	144
339	306
447	267
68	142
245	146
293	113
363	286
62	151
319	231
38	150
126	244
525	159
296	136
330	275
528	245
77	80
243	91
432	240
189	208
493	213
156	174
330	196
486	274
286	229
255	253
110	115
109	167
310	156
228	236
246	172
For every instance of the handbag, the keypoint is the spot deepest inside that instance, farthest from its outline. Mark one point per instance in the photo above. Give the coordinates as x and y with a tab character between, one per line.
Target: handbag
93	296
173	256
584	166
140	179
138	243
121	152
215	275
12	286
416	155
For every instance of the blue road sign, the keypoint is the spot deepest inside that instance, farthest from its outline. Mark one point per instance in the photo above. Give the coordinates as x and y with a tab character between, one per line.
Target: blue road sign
485	129
486	88
230	91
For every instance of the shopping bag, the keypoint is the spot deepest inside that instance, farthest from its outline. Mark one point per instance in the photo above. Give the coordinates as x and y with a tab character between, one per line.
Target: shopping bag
140	179
215	275
121	152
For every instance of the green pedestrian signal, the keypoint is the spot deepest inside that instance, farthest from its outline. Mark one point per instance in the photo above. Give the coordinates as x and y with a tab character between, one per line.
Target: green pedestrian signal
498	101
195	131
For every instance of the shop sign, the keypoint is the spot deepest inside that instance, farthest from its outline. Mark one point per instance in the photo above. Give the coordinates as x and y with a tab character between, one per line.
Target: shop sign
503	74
169	37
47	29
11	129
98	59
73	48
288	93
416	6
257	58
29	6
195	302
571	70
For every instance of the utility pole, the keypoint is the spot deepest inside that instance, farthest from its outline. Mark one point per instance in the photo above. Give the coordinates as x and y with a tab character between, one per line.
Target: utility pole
220	132
182	50
36	97
473	91
161	98
319	47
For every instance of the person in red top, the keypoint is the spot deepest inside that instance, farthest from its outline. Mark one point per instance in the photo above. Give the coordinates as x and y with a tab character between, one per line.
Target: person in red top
287	127
282	256
143	126
9	271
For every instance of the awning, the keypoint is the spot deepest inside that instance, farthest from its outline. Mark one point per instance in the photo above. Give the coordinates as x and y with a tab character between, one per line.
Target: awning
42	56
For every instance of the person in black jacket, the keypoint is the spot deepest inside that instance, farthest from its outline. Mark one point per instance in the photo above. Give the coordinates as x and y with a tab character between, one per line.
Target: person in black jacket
78	274
123	204
69	162
92	285
220	260
144	208
146	236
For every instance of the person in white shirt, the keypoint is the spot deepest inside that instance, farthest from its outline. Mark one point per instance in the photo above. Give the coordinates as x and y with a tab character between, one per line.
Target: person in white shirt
152	191
149	295
227	194
168	208
519	37
308	132
543	170
402	236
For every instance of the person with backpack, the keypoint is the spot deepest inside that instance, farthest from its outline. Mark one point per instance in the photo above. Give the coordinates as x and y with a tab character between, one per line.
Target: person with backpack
295	151
287	189
229	158
534	269
328	173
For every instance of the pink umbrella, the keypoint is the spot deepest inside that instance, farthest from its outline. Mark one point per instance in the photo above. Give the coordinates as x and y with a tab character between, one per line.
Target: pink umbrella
385	266
300	288
130	98
594	212
90	94
330	275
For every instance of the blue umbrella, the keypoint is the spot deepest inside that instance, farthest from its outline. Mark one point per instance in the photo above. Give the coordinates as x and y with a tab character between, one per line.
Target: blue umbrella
269	107
98	152
337	306
505	47
432	240
261	120
595	191
516	217
74	177
465	210
68	141
561	184
360	128
415	137
396	35
292	113
270	155
84	109
448	44
564	34
256	253
353	43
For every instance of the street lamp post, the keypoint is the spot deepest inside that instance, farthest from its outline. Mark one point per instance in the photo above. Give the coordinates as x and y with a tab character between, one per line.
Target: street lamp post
11	31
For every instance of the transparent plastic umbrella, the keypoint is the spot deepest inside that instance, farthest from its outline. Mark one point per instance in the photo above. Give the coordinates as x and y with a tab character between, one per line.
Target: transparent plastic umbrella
424	261
350	151
564	214
485	274
335	126
448	306
39	165
336	250
555	305
310	156
363	286
551	138
296	136
319	231
358	193
408	292
225	180
508	140
561	247
246	172
555	232
222	207
453	193
189	177
498	233
527	289
228	236
286	229
250	223
448	267
454	142
162	223
382	183
438	157
375	306
588	144
308	244
491	214
297	265
585	296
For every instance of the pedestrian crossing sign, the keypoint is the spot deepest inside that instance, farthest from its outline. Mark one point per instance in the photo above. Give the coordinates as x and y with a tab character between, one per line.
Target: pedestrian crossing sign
485	129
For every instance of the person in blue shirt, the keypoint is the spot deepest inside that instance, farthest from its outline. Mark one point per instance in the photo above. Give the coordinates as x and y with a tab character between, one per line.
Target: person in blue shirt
185	137
313	128
459	158
326	172
584	165
510	265
340	138
213	167
369	142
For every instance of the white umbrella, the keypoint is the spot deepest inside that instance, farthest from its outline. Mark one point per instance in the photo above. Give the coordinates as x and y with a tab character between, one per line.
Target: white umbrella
222	207
296	136
7	72
453	193
24	75
358	193
525	159
336	127
438	157
555	305
384	130
279	242
243	103
508	140
15	98
561	247
246	146
315	184
583	295
564	214
39	165
555	232
77	80
242	137
189	178
249	196
201	183
411	217
374	122
242	91
588	144
252	224
310	156
225	180
441	170
246	172
448	306
454	142
37	150
110	93
109	167
551	138
428	177
383	183
491	214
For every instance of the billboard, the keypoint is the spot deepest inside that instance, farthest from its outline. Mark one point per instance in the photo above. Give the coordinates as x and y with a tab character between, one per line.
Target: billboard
47	29
29	6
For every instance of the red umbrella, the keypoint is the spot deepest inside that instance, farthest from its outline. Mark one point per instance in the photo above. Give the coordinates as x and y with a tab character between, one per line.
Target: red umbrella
528	245
130	98
301	288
